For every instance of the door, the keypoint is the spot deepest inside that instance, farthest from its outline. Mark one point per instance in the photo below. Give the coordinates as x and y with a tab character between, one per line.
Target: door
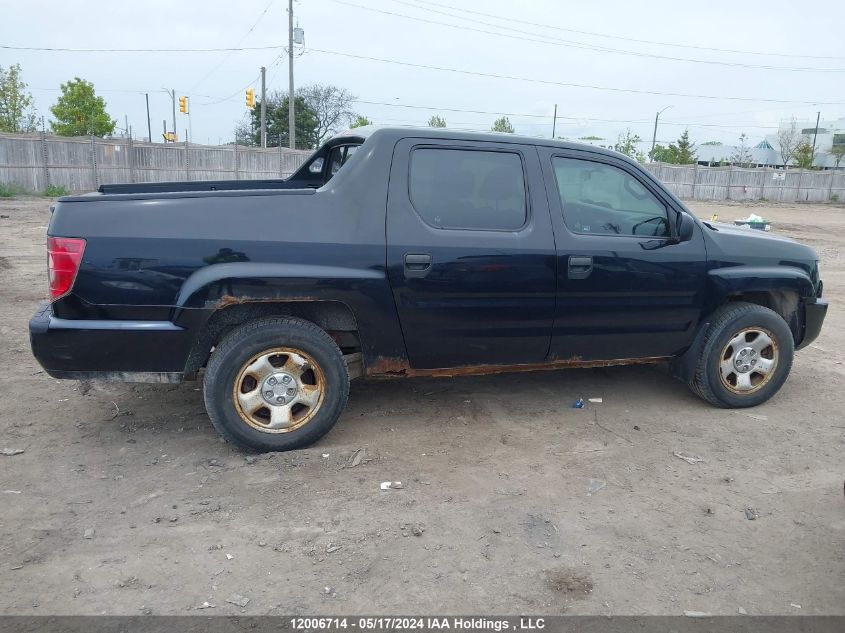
626	287
470	253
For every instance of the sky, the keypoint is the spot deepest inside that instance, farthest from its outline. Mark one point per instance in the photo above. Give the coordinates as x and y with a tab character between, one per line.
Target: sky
720	68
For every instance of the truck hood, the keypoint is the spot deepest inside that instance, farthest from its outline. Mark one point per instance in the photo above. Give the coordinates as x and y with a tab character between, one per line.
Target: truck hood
745	242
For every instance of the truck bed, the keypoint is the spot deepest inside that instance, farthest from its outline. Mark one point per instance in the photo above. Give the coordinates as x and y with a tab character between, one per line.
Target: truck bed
200	185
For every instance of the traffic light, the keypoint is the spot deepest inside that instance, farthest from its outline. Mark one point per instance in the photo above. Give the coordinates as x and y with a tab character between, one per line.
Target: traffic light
250	98
183	105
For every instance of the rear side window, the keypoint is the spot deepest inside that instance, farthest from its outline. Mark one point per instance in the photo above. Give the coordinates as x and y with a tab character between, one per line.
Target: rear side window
606	200
468	189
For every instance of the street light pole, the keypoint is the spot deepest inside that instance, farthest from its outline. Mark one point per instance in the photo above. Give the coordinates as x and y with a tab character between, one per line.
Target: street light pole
149	127
263	107
815	134
654	135
291	108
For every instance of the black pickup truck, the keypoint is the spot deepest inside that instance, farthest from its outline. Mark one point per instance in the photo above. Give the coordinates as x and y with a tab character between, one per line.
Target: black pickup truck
400	252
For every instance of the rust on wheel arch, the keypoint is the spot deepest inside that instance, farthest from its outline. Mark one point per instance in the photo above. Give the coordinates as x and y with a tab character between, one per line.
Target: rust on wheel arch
228	300
386	367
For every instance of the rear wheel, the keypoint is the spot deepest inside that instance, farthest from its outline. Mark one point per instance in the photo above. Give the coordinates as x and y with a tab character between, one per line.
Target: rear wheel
275	384
746	357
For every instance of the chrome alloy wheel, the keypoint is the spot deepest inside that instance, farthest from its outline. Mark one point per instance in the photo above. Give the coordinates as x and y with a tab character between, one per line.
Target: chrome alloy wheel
279	390
749	360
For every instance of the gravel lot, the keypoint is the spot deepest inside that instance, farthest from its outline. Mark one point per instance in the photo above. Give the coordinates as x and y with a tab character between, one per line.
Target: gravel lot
125	501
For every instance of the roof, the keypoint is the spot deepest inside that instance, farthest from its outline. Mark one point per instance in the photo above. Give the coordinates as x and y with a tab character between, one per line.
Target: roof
368	131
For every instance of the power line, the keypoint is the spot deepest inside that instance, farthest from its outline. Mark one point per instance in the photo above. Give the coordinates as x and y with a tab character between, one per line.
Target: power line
230	53
550	82
574	119
54	49
582	45
619	37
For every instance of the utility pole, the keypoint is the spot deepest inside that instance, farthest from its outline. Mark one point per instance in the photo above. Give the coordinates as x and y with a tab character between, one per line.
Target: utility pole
149	127
815	134
654	135
291	109
554	122
263	107
172	94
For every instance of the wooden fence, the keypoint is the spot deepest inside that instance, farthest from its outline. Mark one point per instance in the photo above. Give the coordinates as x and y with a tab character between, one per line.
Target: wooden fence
694	182
32	162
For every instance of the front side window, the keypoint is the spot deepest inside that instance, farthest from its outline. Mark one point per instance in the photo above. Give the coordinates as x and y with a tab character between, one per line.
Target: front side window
602	199
468	189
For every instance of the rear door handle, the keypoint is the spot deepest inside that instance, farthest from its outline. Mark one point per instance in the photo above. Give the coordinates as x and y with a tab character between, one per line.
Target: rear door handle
417	264
580	267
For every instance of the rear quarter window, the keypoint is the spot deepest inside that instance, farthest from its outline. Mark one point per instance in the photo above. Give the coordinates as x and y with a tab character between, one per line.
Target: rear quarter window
468	188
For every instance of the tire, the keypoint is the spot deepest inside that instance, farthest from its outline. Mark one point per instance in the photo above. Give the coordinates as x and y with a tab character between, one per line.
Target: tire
736	340
273	358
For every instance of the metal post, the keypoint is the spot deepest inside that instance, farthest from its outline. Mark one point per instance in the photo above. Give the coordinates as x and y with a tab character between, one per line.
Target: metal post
131	158
653	137
164	125
291	108
173	102
190	125
187	159
263	107
149	126
554	122
694	178
815	134
654	134
281	172
94	163
44	158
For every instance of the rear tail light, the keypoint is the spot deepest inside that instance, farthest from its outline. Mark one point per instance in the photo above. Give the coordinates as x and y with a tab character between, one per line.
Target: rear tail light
64	254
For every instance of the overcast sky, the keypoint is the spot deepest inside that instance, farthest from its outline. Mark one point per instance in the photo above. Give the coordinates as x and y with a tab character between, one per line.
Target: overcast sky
548	42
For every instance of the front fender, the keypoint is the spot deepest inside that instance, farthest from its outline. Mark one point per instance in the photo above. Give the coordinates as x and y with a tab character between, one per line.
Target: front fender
736	280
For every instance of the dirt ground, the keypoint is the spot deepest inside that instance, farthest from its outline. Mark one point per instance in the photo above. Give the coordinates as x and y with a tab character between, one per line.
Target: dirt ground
125	501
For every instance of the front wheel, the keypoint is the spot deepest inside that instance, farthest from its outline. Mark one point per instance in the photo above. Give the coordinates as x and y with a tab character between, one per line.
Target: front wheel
275	384
746	356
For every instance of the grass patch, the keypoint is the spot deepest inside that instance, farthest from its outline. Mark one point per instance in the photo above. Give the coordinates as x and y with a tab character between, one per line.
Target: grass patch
56	191
9	191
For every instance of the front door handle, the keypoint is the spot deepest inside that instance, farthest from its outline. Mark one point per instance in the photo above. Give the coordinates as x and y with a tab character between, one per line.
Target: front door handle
417	264
580	267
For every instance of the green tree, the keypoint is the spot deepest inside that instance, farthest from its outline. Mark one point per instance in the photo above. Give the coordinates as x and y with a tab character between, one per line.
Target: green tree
685	150
306	123
16	113
712	143
437	121
838	153
627	144
662	154
590	137
360	121
804	155
680	153
502	124
80	112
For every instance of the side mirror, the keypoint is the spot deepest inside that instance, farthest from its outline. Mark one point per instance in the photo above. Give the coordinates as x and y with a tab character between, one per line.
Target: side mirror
685	227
